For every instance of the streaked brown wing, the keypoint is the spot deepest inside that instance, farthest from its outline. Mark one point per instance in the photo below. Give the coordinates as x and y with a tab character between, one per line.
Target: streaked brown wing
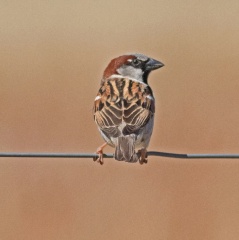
138	110
121	100
108	109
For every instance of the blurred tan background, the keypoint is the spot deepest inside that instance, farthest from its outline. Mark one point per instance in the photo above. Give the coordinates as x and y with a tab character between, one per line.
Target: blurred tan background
53	54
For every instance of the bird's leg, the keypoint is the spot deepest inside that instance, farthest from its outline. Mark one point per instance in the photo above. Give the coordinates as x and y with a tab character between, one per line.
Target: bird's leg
99	151
143	156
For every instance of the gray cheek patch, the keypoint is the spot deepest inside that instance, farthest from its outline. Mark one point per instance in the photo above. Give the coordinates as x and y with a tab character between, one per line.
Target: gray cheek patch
132	72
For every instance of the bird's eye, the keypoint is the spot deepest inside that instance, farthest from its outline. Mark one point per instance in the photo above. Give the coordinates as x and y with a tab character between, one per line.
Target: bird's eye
136	62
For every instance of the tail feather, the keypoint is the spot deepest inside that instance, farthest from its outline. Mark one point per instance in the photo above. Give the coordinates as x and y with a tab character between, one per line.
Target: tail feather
125	149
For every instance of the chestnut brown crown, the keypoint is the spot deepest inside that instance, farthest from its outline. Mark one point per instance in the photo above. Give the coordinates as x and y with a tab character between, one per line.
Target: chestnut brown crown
136	66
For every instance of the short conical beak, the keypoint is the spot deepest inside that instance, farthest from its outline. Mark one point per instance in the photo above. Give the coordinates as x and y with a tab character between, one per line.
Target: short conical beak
153	64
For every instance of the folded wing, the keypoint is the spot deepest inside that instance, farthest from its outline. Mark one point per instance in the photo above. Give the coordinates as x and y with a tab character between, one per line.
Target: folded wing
123	107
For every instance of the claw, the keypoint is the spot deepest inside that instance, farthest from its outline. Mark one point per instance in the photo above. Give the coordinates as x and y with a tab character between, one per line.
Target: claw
143	156
99	159
142	161
99	151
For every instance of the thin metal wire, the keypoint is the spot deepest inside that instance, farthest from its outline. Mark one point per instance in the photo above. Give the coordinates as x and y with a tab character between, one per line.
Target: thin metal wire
108	155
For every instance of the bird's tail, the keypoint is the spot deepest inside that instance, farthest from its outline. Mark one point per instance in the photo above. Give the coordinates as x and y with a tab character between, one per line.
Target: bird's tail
125	149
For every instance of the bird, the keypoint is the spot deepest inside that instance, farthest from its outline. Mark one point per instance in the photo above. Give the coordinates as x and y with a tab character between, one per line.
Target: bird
124	107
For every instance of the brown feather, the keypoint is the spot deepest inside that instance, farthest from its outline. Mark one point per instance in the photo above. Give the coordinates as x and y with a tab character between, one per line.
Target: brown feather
115	64
122	100
125	149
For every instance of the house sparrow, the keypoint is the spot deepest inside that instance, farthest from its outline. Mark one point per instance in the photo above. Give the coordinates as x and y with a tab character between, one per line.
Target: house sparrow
124	107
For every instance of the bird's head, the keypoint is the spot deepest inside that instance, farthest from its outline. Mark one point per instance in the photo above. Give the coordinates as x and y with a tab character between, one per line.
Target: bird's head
137	66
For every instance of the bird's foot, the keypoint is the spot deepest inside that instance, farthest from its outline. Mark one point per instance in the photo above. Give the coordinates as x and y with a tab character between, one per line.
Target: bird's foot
100	158
142	153
100	153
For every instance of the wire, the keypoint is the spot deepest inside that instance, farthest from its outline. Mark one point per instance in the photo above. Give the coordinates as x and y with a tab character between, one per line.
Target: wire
108	155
